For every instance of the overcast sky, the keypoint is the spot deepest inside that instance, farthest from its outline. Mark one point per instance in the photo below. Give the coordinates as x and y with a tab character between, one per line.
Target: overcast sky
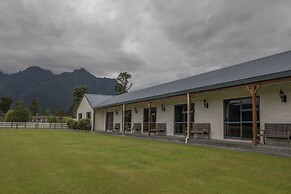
155	40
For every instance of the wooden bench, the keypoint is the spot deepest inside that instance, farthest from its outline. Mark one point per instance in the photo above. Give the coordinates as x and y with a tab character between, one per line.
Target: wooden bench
201	129
160	128
276	130
136	128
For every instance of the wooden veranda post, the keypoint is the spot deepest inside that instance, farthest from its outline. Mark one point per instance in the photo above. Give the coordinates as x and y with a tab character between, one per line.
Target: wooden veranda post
189	116
253	91
149	117
123	118
106	127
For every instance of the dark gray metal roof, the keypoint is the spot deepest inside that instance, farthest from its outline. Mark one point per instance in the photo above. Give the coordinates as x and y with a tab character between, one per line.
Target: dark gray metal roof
95	99
267	68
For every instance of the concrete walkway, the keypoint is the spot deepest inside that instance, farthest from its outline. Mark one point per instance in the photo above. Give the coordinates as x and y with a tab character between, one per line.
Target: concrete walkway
279	150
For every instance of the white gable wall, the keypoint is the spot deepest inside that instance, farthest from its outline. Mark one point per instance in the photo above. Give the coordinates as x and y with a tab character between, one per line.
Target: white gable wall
83	108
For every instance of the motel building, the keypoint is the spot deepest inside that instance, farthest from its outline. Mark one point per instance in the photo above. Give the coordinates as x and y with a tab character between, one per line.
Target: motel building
247	102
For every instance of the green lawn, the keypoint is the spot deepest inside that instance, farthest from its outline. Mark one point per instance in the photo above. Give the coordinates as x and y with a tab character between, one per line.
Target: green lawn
52	161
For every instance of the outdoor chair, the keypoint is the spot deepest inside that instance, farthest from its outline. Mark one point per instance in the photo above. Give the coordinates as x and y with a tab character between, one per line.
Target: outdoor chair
116	127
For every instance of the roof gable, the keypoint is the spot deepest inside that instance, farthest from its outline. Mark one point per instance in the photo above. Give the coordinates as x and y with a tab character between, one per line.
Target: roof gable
96	99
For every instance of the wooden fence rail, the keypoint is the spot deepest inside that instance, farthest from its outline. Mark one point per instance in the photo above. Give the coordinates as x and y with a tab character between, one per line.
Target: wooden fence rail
33	125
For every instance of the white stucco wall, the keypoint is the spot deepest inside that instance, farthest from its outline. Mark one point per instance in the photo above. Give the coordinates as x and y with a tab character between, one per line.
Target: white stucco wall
273	110
99	120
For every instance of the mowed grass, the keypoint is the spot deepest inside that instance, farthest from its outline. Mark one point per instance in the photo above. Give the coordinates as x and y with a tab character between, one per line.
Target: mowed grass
52	161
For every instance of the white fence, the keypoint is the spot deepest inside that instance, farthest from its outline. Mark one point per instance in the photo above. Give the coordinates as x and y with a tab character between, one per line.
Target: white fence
33	125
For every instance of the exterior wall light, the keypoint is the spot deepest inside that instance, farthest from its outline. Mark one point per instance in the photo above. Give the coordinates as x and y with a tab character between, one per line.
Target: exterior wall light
205	103
116	112
163	107
135	110
283	96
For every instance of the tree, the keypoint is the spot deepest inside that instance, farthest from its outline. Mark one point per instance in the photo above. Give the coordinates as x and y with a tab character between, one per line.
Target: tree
78	94
60	112
47	112
34	107
20	113
52	119
5	103
122	86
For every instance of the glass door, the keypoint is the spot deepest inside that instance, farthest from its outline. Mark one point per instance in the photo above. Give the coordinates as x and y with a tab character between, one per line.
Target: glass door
238	118
180	120
127	119
109	121
146	118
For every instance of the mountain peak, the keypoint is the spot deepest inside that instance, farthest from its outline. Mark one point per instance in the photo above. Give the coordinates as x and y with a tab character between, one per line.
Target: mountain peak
81	70
36	69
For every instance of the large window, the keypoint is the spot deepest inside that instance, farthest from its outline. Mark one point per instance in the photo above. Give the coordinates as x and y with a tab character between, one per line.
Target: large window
238	118
127	119
181	118
146	118
109	121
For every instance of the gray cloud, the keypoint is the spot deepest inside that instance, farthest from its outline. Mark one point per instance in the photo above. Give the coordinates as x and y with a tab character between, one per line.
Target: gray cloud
156	41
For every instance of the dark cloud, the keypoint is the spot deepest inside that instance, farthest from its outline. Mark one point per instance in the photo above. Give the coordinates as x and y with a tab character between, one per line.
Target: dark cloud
156	41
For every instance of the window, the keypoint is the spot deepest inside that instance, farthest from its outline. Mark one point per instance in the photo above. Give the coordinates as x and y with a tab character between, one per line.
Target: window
127	119
146	118
109	121
88	114
238	118
80	115
181	118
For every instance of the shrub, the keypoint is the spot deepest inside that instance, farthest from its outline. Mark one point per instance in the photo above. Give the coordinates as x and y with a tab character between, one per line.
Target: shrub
64	119
68	120
84	124
52	119
8	116
73	124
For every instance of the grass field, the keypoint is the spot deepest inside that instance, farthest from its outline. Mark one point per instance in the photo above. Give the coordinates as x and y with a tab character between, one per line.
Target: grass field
51	161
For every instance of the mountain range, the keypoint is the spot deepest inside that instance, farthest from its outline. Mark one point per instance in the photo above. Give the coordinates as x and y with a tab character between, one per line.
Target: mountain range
52	91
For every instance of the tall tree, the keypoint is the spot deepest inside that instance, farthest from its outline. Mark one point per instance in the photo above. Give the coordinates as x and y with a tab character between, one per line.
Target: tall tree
78	94
34	107
122	86
5	103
